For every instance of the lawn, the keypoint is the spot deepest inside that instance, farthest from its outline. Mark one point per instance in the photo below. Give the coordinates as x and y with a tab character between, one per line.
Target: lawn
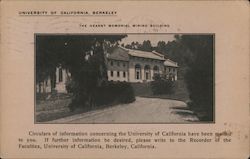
53	107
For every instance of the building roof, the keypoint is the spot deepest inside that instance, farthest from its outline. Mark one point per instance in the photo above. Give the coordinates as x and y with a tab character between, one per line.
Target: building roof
118	53
170	63
121	53
144	54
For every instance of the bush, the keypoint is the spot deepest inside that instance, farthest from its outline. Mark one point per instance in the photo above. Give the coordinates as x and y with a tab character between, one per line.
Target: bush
114	93
109	93
161	85
70	85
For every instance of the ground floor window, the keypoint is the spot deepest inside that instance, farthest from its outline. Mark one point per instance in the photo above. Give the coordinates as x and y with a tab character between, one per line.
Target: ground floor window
147	72
147	76
137	71
111	73
156	70
118	74
124	74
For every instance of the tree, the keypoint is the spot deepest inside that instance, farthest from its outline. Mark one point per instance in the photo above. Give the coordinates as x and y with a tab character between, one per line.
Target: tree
200	76
146	46
70	52
161	47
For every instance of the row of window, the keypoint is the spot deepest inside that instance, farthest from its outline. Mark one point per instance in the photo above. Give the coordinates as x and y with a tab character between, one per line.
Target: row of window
147	74
117	74
118	63
169	69
138	66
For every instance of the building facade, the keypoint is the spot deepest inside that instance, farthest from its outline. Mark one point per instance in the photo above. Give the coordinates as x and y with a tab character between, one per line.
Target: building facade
122	65
138	66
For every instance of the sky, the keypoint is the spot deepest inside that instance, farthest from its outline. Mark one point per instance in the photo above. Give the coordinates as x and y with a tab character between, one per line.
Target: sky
154	38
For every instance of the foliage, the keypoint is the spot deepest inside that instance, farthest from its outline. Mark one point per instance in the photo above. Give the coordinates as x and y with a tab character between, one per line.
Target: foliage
82	55
70	84
161	85
145	46
108	93
199	76
114	92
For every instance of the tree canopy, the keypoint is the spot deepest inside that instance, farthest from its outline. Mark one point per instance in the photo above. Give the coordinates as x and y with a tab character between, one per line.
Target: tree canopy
82	55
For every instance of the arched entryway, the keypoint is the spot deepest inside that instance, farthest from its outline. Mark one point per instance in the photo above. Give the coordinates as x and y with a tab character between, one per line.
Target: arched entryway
137	71
147	73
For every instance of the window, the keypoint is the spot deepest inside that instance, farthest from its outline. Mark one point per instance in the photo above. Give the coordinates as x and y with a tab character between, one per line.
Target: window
124	74
173	70
118	74
169	69
111	63
137	75
156	70
147	72
118	63
124	64
137	71
111	73
60	75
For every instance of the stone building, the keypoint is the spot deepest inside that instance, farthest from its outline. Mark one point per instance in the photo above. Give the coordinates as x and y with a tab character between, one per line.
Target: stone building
122	65
138	66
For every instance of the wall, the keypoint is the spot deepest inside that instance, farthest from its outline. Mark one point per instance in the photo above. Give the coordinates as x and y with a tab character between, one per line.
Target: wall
61	85
143	62
118	65
171	70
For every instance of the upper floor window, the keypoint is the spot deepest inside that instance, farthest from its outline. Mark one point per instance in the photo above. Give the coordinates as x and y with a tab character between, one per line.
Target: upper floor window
118	63
124	64
111	63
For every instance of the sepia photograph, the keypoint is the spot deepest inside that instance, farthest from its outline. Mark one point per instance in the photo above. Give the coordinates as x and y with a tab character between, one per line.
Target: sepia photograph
130	79
124	78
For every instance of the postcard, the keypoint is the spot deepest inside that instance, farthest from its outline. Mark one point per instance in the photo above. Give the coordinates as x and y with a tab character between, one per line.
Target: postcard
124	79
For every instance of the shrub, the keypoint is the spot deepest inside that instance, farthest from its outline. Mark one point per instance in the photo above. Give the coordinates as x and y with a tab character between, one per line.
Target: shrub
70	85
109	93
114	93
161	85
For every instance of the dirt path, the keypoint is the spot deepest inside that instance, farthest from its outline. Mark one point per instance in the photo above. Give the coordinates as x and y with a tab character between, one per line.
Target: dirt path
143	110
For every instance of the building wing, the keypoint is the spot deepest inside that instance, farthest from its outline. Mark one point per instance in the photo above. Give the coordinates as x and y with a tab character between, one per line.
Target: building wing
170	63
